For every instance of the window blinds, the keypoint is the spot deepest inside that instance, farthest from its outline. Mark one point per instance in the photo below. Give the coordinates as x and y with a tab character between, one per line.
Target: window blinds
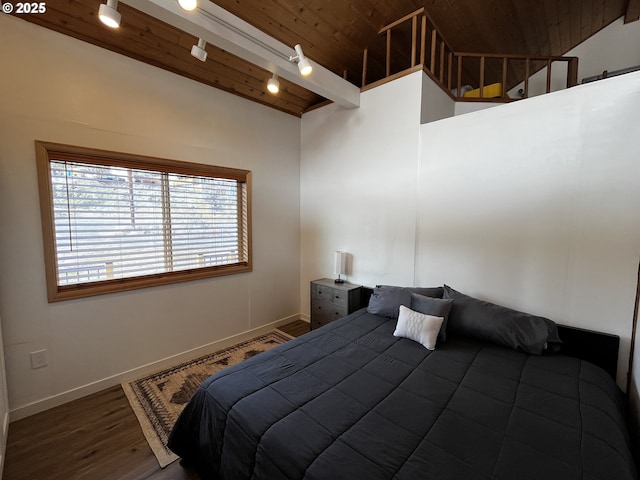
113	222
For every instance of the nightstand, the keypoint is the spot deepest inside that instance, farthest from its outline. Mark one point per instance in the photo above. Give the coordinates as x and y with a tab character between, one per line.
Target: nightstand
331	301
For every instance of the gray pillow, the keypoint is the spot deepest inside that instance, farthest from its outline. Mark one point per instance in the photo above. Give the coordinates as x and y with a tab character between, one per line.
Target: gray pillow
386	299
504	326
437	307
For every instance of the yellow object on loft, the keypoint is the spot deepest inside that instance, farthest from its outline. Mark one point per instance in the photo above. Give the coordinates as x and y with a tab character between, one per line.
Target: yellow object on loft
489	91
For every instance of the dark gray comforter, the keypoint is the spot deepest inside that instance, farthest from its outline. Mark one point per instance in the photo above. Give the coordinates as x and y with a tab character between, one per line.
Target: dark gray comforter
351	401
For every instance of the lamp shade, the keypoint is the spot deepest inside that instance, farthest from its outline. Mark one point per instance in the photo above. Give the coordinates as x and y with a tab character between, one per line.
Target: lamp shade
188	5
305	67
109	15
273	85
340	263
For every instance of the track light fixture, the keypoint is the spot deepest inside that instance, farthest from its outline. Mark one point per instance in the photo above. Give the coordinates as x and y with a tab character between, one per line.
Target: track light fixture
273	85
109	15
188	5
303	62
198	50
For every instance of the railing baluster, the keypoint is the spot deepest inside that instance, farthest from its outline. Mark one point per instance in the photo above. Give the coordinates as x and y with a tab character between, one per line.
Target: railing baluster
423	44
450	70
444	64
482	77
442	61
504	78
434	41
527	72
459	94
388	52
414	38
364	66
572	72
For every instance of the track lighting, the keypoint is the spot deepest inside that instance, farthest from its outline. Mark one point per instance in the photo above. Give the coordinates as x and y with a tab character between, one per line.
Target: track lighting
273	85
198	50
188	5
109	15
304	65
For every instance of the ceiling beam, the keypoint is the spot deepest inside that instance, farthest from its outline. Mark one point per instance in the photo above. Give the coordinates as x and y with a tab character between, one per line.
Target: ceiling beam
633	11
228	32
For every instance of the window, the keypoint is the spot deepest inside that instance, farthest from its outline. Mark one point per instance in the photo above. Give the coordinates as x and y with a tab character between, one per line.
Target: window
114	222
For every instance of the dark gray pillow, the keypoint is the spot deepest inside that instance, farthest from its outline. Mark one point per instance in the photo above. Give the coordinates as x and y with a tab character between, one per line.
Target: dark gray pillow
494	323
438	307
386	299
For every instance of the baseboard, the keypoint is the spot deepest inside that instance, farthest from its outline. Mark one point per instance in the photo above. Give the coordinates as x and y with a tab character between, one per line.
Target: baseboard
97	386
306	317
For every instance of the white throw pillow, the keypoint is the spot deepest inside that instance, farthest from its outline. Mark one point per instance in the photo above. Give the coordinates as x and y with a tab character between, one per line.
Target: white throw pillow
418	327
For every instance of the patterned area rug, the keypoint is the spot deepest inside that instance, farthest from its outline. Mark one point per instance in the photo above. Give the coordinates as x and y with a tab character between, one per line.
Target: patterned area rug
158	399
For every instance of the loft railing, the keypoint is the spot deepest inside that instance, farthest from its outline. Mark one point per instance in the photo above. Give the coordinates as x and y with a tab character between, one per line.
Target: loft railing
452	71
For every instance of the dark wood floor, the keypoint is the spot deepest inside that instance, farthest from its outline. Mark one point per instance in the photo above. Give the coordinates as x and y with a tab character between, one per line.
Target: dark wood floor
96	437
295	329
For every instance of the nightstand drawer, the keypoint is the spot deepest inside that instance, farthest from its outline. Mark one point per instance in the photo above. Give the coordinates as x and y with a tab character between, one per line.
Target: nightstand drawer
328	294
331	301
325	312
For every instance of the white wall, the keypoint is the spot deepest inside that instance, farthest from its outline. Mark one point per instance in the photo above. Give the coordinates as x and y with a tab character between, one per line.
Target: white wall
358	185
533	204
463	108
358	182
615	47
58	89
436	104
538	208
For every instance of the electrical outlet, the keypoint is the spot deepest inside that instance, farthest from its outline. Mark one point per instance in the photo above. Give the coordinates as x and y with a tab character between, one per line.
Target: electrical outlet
39	359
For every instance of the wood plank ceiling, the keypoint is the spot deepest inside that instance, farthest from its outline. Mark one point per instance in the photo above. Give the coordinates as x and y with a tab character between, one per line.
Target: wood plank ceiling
334	33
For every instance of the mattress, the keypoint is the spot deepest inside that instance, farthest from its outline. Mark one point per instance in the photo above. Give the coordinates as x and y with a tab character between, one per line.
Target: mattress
350	400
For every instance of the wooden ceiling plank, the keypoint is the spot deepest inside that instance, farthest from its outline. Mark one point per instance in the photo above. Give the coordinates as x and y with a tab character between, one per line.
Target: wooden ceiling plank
523	33
355	30
448	17
300	97
174	59
551	14
346	44
632	13
585	18
94	32
349	41
283	25
539	19
334	33
575	15
88	10
365	11
392	10
597	17
221	28
279	20
564	25
526	24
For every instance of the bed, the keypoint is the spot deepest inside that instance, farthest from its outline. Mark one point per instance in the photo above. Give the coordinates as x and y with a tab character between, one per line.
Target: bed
352	400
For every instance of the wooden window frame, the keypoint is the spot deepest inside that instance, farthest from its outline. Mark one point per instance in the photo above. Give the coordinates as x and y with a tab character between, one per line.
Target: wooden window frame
44	153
